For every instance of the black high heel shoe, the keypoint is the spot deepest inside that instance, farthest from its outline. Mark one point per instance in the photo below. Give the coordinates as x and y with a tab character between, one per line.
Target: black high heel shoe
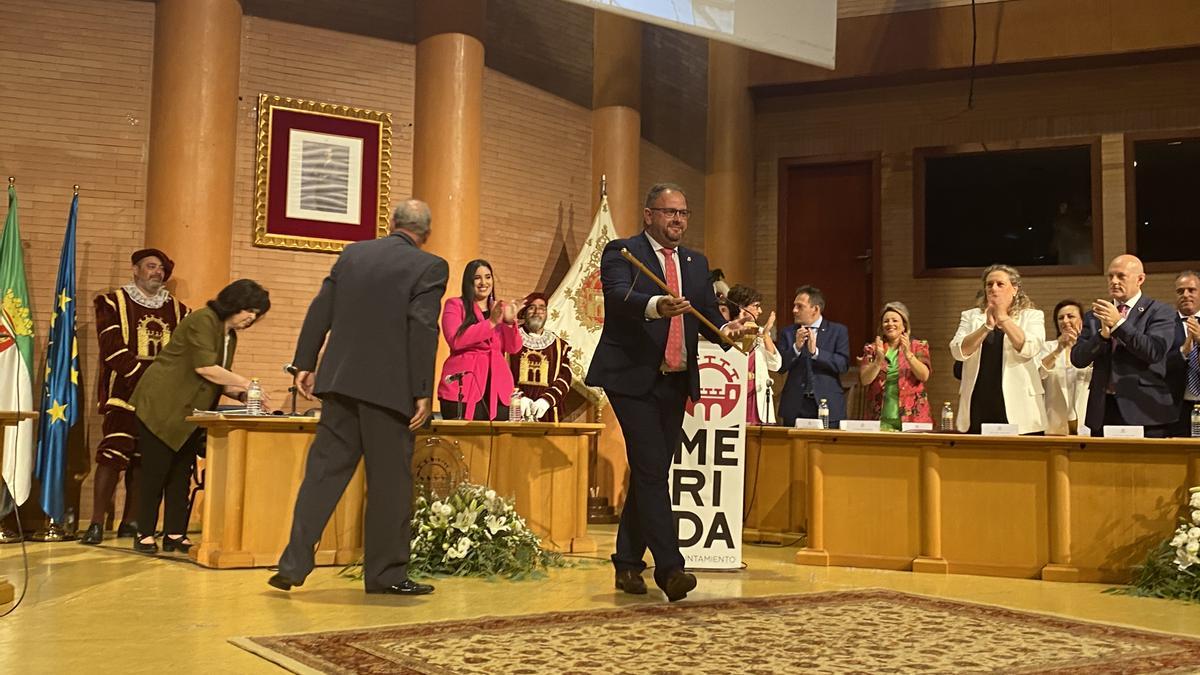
180	543
138	546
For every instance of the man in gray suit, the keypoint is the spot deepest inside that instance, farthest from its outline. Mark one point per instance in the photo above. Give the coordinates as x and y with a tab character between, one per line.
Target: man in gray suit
379	307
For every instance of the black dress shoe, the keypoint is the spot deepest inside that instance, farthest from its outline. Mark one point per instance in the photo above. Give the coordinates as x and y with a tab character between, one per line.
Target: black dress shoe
180	544
144	548
127	530
406	587
678	584
94	535
283	583
631	582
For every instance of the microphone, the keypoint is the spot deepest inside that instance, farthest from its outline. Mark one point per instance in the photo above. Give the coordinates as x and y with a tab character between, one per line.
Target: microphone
456	377
290	369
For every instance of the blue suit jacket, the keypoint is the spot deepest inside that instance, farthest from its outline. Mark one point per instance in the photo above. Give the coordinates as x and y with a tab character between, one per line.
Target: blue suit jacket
1137	369
629	355
811	379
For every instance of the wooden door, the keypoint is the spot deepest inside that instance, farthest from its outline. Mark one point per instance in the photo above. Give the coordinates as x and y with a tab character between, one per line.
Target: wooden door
828	238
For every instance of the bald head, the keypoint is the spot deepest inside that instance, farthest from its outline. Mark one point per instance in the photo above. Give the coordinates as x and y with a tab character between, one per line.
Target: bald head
413	217
1125	277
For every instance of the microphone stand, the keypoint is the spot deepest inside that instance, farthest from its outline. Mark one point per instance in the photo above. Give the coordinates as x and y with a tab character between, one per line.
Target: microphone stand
293	391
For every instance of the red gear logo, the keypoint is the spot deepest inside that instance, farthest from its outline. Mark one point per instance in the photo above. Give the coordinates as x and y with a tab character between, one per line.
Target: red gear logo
724	397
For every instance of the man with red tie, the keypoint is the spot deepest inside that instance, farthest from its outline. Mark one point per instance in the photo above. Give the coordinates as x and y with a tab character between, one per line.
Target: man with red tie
1127	339
646	364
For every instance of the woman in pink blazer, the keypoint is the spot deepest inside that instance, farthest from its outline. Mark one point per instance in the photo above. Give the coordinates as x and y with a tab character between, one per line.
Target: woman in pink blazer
481	332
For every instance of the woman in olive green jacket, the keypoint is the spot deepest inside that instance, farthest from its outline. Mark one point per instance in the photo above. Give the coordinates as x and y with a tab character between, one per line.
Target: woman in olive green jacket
191	372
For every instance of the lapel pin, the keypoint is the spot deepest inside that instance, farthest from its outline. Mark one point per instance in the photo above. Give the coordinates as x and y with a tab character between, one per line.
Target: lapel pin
689	258
1141	309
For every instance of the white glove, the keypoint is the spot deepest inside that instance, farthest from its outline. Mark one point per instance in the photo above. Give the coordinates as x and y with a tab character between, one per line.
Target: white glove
526	407
540	407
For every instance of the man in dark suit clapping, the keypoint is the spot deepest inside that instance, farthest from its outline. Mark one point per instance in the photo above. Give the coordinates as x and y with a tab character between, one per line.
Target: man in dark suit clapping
379	307
1127	339
646	364
816	351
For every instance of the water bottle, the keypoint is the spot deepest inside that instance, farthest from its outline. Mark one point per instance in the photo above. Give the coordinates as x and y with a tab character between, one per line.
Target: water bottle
823	413
254	397
514	406
1196	421
947	418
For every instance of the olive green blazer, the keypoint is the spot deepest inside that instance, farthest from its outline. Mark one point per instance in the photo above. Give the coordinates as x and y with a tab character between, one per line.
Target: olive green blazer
171	389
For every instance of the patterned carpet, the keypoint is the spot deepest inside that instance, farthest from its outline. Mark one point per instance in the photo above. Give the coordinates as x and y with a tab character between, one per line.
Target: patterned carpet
862	631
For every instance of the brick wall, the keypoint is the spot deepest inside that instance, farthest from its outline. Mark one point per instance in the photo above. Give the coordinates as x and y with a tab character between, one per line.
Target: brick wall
75	108
894	121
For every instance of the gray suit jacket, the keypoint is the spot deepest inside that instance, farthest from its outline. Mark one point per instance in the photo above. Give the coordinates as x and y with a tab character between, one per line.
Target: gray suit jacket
379	306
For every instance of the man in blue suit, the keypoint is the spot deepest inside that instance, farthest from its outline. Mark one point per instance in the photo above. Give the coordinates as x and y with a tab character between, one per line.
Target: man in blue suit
646	363
815	353
1127	340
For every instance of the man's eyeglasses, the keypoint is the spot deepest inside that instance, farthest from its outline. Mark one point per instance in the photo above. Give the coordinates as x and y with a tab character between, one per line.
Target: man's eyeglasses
671	213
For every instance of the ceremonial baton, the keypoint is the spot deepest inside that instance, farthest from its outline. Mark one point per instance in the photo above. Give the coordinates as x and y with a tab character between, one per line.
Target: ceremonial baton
661	284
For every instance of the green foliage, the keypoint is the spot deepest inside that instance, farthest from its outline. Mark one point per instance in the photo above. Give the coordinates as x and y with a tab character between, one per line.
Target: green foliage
1173	569
472	533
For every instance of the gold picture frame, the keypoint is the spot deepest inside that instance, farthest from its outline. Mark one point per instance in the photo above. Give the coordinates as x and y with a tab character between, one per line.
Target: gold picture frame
322	174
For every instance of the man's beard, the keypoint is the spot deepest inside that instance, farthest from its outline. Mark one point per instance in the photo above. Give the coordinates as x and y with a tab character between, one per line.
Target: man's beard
535	324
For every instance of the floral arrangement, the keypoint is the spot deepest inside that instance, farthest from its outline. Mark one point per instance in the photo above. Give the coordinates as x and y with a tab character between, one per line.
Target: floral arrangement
1173	569
472	532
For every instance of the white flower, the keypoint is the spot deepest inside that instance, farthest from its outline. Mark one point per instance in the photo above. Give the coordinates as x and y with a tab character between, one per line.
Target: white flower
1179	539
465	520
1193	533
1196	516
490	495
1193	547
460	550
496	524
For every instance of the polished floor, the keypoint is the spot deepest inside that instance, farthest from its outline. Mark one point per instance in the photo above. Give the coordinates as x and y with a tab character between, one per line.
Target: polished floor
109	610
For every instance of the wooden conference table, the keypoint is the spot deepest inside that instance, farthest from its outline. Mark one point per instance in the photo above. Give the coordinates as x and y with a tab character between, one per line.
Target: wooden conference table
9	418
1058	508
254	467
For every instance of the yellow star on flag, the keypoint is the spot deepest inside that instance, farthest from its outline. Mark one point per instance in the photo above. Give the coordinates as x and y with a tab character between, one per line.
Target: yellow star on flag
63	299
57	412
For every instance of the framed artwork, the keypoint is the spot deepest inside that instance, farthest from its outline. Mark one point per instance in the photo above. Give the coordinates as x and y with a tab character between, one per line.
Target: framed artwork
321	174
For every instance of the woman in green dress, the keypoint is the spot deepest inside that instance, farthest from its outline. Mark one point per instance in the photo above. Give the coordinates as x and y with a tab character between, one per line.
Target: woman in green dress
894	369
191	373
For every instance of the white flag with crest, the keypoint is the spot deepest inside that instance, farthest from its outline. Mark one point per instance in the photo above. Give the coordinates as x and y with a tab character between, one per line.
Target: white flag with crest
576	309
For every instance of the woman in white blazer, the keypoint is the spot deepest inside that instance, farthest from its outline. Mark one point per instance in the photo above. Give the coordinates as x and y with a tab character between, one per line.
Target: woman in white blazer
999	342
764	357
1066	386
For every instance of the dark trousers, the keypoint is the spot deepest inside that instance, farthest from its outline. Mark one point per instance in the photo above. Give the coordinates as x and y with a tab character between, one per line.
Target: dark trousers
1113	416
652	427
1182	428
351	429
166	476
452	410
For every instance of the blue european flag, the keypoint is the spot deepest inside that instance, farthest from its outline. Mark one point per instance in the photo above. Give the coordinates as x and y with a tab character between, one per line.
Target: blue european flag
60	390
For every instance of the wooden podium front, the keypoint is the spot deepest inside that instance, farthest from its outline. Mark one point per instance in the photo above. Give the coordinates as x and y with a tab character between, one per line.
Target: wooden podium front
9	418
254	467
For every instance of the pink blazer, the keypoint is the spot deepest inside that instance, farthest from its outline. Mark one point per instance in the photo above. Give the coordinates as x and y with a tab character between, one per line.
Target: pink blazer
481	353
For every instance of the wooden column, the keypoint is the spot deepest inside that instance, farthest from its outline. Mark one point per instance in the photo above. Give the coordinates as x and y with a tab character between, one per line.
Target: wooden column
931	559
1059	484
447	133
616	155
814	552
729	183
193	141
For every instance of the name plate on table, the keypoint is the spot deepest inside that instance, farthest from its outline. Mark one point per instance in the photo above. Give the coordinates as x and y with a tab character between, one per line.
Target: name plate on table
859	425
916	426
807	423
1124	431
989	429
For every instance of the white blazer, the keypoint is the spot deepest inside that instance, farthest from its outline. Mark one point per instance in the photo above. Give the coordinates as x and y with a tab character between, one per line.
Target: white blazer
1066	391
764	364
1024	397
